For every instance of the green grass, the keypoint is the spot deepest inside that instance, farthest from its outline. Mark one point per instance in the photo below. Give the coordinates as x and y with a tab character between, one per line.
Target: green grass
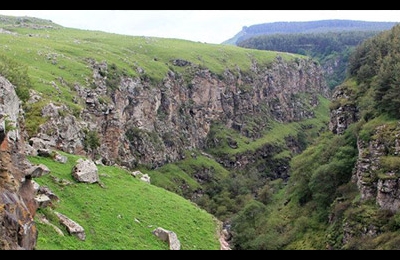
122	214
58	58
64	51
180	174
277	132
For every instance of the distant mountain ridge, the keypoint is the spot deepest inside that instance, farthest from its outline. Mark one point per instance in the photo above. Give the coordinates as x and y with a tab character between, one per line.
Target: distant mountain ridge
307	27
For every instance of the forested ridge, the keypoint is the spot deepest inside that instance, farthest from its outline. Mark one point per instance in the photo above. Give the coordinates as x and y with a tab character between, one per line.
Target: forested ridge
328	41
376	68
321	26
331	49
317	44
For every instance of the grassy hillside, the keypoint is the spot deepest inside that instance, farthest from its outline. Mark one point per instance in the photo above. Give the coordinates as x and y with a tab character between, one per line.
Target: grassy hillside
53	59
39	55
119	214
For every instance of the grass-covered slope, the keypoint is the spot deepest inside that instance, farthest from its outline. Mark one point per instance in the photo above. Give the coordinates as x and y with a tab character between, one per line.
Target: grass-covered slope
50	59
119	214
53	52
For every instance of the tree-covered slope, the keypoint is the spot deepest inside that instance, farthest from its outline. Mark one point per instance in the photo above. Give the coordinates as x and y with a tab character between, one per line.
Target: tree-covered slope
331	49
328	41
343	190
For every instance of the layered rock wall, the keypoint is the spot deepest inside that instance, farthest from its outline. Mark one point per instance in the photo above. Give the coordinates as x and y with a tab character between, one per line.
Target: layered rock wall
140	122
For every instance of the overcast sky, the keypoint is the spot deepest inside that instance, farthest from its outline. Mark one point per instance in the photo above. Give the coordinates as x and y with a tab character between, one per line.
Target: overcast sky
210	26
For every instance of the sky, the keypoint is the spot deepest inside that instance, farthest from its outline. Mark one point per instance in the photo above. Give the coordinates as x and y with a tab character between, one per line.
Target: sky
208	26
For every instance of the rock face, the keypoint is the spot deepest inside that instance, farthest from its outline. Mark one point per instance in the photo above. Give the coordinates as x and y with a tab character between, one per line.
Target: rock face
344	112
375	178
376	172
17	205
138	122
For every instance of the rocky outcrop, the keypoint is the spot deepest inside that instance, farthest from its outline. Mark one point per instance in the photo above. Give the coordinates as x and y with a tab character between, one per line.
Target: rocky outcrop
85	171
262	158
343	112
142	122
168	236
17	204
377	167
376	171
141	176
72	227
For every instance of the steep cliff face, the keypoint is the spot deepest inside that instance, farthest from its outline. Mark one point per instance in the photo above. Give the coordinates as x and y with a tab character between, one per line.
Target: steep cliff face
140	122
377	167
344	111
17	207
376	172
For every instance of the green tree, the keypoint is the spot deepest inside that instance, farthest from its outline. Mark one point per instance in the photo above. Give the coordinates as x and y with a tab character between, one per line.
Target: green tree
245	225
91	142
